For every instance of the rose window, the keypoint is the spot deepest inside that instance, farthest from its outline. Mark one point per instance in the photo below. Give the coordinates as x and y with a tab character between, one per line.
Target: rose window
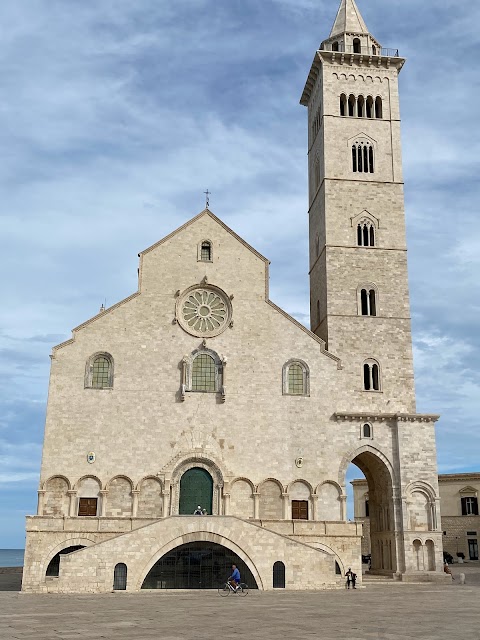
204	311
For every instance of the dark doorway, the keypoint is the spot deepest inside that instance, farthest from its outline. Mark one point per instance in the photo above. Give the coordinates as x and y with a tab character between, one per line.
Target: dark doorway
473	549
120	577
299	509
196	490
54	564
196	565
279	575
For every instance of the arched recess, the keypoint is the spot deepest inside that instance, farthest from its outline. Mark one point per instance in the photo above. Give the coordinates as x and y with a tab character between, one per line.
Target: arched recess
150	498
119	498
88	496
196	537
202	462
329	505
72	543
380	477
56	501
241	498
278	575
430	555
419	511
300	494
271	502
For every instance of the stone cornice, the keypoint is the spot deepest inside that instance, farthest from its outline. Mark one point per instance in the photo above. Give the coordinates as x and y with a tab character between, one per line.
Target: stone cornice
385	417
455	477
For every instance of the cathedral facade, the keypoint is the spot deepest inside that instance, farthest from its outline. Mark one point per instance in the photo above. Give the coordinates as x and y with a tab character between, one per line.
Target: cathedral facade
197	394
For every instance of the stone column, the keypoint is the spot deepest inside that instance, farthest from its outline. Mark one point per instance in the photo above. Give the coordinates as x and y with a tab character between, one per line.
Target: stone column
256	506
72	511
103	503
226	504
135	494
166	500
343	507
286	505
315	513
41	501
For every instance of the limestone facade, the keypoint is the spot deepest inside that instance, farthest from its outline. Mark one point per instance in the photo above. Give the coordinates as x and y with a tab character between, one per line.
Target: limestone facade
460	520
200	374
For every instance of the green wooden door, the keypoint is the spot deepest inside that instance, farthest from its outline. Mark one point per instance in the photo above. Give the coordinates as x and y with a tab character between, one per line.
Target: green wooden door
196	489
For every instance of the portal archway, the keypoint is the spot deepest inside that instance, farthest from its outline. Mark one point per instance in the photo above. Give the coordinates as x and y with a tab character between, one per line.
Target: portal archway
381	512
196	490
196	565
53	568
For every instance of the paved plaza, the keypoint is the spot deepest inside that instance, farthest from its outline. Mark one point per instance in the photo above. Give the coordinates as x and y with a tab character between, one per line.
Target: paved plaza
380	610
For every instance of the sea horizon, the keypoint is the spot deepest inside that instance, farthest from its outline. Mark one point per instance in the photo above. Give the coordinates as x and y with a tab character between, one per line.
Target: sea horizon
11	557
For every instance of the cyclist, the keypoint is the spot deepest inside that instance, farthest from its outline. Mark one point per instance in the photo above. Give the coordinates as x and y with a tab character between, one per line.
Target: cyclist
234	579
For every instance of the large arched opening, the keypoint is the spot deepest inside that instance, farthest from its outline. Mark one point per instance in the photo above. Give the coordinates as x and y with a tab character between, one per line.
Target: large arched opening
196	565
53	568
196	490
373	503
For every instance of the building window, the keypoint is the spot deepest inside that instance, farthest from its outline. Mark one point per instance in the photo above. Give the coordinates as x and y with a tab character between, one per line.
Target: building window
351	105
360	106
367	431
371	376
368	302
362	157
299	509
343	105
87	506
356	45
367	509
296	378
369	108
279	575
99	372
378	108
469	506
334	46
206	251
366	234
203	373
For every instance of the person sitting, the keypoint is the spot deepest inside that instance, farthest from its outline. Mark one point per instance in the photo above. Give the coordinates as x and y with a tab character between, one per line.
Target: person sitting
198	511
447	569
234	579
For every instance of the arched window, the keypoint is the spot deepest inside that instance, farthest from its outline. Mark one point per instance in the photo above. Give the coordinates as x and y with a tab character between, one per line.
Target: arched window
374	50
206	251
120	577
369	108
368	302
279	575
367	431
371	376
357	45
334	46
360	106
343	105
366	234
378	107
99	371
203	372
362	157
296	378
351	105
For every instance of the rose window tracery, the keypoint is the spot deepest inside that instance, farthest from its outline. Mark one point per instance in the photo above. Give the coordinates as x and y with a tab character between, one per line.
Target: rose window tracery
204	311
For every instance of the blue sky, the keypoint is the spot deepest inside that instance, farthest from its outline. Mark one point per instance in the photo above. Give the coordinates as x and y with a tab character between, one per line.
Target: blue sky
117	115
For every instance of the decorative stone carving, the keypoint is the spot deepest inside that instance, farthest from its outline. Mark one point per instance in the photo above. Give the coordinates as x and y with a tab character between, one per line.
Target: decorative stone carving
204	311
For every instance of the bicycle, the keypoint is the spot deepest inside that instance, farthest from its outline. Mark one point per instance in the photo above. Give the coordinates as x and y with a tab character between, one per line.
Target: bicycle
226	589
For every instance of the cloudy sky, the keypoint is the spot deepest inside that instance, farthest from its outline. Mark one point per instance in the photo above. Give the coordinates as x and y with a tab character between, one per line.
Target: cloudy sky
116	115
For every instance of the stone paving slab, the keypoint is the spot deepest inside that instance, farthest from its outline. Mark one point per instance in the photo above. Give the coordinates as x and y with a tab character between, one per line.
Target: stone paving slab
378	612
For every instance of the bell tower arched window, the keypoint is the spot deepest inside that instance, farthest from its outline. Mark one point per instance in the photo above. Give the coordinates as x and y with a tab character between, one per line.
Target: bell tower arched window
378	107
357	45
371	376
362	157
368	302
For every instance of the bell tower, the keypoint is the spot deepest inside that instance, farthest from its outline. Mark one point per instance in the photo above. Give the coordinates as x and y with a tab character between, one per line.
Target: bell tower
359	298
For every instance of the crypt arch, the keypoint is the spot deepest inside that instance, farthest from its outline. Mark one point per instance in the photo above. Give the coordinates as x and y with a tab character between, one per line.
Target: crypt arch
201	536
78	541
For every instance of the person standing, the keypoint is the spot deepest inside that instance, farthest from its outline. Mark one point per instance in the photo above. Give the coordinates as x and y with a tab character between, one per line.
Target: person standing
348	576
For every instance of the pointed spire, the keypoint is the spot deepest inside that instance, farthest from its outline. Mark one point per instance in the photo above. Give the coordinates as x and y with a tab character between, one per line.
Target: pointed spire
349	19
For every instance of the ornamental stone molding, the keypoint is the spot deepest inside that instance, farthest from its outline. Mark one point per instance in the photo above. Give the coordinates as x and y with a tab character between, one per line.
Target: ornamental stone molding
203	310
